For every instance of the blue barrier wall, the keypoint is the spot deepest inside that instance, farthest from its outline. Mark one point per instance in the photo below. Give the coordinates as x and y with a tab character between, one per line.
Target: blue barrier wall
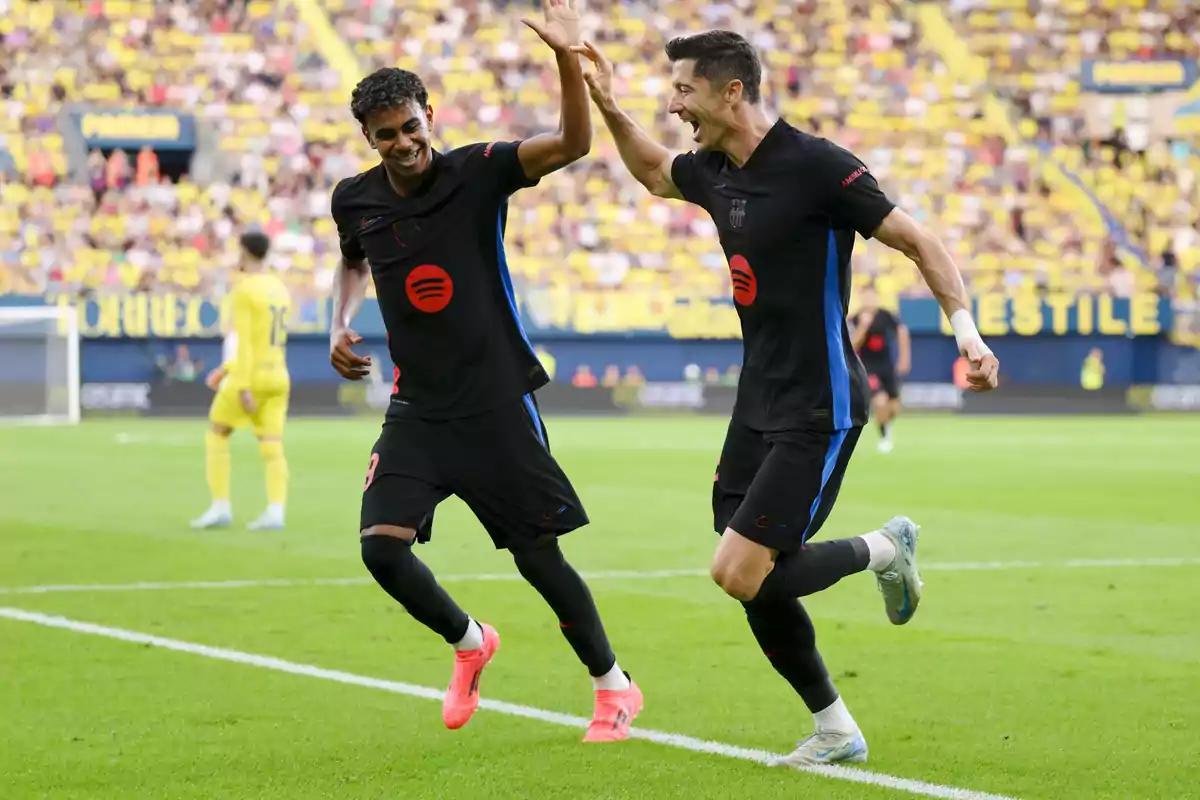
169	316
1040	341
1047	360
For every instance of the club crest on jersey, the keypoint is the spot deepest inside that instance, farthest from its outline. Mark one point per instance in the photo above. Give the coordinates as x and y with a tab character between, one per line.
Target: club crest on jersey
737	212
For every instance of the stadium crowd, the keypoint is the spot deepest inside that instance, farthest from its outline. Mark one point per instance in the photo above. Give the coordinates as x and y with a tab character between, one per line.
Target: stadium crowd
588	247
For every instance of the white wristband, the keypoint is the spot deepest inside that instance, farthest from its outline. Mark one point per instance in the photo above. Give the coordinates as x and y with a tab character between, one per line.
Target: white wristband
965	330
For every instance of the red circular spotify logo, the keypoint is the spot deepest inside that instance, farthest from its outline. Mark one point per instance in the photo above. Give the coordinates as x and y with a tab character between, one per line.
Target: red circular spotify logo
745	285
429	288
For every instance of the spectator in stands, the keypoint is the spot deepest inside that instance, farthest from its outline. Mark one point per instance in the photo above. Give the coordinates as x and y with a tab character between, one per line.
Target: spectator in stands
1091	374
634	376
41	168
97	171
8	165
589	246
584	377
181	367
147	166
611	377
549	362
118	175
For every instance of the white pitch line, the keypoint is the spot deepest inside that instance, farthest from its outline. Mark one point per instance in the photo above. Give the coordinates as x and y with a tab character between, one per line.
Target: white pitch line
142	586
945	566
676	740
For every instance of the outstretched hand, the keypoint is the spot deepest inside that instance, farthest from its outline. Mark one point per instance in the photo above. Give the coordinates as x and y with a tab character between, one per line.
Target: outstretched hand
600	78
559	27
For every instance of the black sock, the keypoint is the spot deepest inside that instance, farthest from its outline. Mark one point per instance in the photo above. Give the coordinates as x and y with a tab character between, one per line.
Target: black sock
883	426
396	568
566	593
785	634
813	568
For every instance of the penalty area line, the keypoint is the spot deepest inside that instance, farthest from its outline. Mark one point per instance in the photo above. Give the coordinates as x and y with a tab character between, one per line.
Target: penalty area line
675	740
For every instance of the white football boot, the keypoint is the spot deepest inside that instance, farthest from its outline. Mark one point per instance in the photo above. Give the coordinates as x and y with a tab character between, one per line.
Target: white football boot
826	747
217	516
899	582
269	520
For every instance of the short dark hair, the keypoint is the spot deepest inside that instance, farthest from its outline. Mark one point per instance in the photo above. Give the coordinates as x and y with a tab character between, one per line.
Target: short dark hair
256	243
720	57
387	88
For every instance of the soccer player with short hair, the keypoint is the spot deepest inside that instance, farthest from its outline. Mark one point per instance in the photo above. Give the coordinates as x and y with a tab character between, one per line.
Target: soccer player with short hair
787	205
253	387
428	227
882	342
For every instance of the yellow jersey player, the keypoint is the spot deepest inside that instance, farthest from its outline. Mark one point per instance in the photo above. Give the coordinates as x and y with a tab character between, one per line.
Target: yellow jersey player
252	388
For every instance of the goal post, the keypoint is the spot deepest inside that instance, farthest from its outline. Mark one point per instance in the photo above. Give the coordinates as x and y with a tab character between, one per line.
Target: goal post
39	365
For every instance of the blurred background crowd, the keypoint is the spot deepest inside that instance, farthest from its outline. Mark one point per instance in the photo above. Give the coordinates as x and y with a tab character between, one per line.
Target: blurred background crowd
970	113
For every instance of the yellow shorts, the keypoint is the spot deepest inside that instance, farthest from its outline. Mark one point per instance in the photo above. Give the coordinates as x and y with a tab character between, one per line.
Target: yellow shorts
267	420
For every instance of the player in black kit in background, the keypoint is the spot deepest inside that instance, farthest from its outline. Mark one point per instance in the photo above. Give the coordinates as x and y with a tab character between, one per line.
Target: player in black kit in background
787	206
882	342
462	420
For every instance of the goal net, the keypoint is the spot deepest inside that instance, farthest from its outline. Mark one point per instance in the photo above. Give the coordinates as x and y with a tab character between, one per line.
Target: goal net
39	365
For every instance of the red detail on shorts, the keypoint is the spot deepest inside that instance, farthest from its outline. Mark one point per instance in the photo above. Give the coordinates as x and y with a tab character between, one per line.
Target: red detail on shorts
371	471
761	521
875	343
487	151
873	382
858	173
745	285
429	288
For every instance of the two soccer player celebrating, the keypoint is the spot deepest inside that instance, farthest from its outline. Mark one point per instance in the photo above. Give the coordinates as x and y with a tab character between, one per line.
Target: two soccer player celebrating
429	226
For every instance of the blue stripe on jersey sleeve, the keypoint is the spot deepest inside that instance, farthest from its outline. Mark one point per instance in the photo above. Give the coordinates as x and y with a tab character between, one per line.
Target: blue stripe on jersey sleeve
506	278
836	440
839	371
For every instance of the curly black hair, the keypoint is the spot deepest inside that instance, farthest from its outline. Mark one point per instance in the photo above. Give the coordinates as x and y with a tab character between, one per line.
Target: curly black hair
720	56
386	88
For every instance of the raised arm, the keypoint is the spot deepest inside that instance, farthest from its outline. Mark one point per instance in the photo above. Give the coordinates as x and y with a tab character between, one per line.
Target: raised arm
542	154
646	159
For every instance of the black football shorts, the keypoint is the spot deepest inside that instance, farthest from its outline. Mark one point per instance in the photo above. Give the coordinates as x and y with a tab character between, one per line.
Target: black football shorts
884	380
498	462
778	488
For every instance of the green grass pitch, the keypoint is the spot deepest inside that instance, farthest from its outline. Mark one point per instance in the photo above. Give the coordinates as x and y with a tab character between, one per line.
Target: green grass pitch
1056	655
